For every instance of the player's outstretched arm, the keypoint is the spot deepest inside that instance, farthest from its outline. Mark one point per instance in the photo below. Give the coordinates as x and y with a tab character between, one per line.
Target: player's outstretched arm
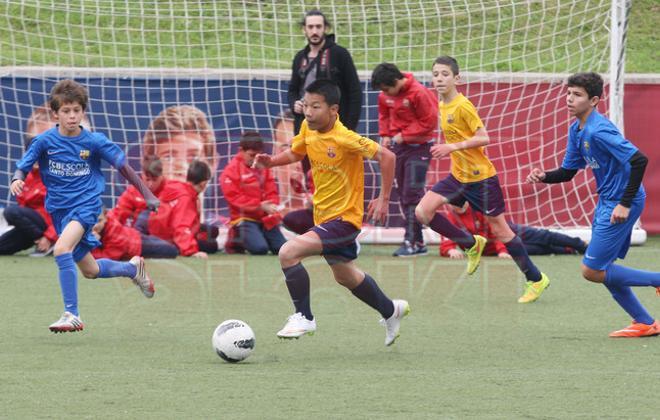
264	160
377	209
552	177
17	182
127	172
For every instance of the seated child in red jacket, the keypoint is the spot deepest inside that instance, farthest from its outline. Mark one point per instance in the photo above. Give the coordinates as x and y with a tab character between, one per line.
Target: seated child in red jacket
177	220
121	242
537	241
252	198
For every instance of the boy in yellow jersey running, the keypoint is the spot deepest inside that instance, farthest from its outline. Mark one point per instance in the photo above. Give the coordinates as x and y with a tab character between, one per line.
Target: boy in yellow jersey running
336	155
473	178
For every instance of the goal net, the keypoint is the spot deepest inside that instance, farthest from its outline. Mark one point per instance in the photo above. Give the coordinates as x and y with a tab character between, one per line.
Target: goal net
205	71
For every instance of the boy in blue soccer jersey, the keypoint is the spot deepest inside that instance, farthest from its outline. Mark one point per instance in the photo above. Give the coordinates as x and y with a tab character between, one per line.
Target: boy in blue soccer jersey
618	167
69	158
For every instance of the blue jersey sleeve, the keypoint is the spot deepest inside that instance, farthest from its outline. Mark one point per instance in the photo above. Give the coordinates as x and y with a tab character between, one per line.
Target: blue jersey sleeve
573	158
32	155
612	141
109	151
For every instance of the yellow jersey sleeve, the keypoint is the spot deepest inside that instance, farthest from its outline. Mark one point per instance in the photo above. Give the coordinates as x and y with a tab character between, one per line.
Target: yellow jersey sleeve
471	117
355	143
298	145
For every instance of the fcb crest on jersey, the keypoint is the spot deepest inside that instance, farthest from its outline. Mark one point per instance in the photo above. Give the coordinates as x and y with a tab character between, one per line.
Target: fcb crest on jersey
332	153
450	118
84	154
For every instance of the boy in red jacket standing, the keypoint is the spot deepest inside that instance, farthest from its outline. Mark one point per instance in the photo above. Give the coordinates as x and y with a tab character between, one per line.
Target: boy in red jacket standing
177	220
252	198
407	122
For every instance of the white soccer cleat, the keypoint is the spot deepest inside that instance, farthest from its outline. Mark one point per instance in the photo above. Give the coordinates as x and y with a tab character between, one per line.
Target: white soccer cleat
393	323
296	326
141	278
68	322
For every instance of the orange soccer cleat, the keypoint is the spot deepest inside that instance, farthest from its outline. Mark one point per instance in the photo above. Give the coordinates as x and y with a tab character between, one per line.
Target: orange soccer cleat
637	329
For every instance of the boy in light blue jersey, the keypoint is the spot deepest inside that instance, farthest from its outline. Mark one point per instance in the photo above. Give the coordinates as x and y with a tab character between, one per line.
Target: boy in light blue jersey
618	167
69	157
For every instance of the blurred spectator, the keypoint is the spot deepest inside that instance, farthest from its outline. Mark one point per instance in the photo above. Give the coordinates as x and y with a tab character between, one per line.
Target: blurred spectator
537	241
285	175
177	220
120	242
253	202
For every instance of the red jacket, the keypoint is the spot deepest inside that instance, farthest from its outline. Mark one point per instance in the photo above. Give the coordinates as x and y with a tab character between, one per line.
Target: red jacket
177	219
245	188
131	203
34	196
118	242
413	112
475	223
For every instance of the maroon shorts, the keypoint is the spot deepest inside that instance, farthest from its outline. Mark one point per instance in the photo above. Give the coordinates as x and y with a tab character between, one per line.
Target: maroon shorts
484	196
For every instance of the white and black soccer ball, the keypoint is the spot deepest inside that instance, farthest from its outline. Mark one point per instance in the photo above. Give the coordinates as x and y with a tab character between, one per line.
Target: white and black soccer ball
233	340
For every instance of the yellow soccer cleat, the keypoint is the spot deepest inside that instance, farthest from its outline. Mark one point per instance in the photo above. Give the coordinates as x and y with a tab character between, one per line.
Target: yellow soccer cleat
474	253
533	289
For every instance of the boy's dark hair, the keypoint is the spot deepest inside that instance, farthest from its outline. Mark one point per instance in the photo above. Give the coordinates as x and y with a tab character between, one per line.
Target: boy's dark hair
151	165
66	92
251	140
591	82
448	61
315	12
198	172
385	75
326	88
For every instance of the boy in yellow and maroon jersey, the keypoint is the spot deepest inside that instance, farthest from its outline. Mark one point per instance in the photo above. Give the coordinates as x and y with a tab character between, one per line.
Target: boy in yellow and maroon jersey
336	155
473	178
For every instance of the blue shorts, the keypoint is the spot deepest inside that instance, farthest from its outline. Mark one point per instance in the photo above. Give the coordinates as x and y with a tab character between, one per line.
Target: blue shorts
610	241
484	196
87	217
339	240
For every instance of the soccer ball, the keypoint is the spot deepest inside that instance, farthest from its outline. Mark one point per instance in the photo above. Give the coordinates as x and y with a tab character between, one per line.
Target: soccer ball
233	340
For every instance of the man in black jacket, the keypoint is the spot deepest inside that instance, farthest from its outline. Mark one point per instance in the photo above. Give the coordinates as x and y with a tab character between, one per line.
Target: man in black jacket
323	59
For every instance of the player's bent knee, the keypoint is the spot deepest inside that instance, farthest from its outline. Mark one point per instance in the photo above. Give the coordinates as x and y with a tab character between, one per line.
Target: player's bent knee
60	249
596	276
288	254
89	273
421	215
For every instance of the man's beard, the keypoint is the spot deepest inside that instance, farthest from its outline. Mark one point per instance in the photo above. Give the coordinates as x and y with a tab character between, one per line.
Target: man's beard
319	42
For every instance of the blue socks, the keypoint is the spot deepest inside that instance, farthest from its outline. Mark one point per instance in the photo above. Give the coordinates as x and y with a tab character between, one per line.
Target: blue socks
620	275
297	281
68	275
111	268
625	297
443	226
618	280
369	293
519	254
